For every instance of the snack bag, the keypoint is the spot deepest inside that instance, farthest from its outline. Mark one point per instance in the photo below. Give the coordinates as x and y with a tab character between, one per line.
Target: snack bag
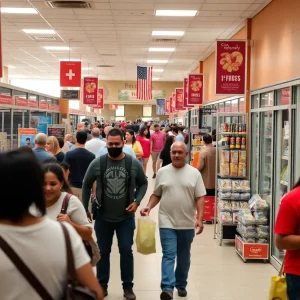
224	169
235	206
244	205
249	240
145	238
233	169
224	156
245	196
235	217
234	157
226	217
257	203
236	186
224	185
242	156
245	185
242	171
224	205
260	218
263	231
224	195
235	196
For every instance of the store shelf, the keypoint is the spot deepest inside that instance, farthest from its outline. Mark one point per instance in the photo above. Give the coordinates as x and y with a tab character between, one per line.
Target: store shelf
284	183
231	177
226	224
285	157
233	133
234	199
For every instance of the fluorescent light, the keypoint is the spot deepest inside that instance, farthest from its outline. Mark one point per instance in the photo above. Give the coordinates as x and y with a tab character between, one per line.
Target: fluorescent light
40	31
86	68
11	67
157	61
168	33
17	76
158	70
176	13
17	10
161	49
62	48
71	59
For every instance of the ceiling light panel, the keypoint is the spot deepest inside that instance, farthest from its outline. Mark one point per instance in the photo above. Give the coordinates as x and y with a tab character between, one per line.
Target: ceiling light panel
157	70
167	33
176	13
161	49
18	10
39	31
157	61
58	48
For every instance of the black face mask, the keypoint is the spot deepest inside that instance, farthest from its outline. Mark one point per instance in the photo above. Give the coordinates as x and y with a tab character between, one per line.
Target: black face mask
115	152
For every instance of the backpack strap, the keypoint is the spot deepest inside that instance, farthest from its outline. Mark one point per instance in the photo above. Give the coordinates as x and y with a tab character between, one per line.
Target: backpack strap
128	167
24	270
65	204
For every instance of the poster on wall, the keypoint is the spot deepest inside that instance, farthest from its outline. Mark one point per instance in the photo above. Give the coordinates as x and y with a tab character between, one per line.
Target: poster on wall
231	61
26	137
185	93
40	123
179	99
57	130
195	89
160	107
90	90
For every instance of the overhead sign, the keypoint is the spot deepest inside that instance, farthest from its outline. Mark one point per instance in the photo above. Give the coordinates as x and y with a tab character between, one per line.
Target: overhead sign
160	107
208	111
124	95
70	94
70	73
195	89
185	93
167	108
231	61
179	99
90	90
21	102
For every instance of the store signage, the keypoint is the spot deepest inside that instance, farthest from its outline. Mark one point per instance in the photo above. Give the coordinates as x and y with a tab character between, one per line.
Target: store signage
113	106
26	137
81	112
208	111
70	94
167	106
160	107
57	130
195	89
285	96
90	90
100	99
70	73
179	99
33	103
43	105
185	93
53	107
231	61
125	95
8	100
251	251
172	104
40	123
21	102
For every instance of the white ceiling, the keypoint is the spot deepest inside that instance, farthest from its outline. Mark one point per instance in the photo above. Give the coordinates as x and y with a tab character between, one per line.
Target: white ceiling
118	33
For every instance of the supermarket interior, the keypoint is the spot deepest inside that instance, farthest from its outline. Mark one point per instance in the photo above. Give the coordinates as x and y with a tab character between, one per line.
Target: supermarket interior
229	68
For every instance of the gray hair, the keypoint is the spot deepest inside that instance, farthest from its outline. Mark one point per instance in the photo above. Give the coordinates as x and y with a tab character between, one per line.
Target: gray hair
95	132
41	139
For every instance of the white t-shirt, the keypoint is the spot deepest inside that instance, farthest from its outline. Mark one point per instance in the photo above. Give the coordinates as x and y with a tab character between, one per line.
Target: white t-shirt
42	247
94	145
75	210
178	188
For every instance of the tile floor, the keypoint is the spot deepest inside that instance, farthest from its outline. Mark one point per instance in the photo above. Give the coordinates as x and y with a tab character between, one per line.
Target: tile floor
217	273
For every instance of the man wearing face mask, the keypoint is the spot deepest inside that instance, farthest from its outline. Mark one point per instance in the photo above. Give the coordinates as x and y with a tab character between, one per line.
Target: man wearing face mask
120	189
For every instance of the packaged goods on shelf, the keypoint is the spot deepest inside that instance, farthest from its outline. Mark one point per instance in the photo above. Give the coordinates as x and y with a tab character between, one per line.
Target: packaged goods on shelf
224	205
246	217
245	196
224	195
262	241
263	231
247	230
225	217
225	185
233	127
235	206
286	151
242	156
268	130
224	169
245	185
257	203
236	186
260	218
243	205
234	167
235	217
235	196
234	156
242	170
284	174
249	240
224	156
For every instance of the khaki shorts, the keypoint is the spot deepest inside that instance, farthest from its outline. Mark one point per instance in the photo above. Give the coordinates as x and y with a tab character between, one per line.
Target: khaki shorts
77	192
155	156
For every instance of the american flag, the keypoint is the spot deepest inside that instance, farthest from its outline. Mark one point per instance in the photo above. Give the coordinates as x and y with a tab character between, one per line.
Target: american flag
144	83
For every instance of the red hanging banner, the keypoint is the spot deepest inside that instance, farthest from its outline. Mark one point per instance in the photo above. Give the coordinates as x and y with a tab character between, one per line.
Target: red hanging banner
100	99
167	107
179	99
172	103
231	61
195	89
90	90
70	73
185	94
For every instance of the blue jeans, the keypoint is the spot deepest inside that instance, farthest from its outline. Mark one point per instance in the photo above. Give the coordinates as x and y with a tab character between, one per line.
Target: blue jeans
293	286
175	243
105	231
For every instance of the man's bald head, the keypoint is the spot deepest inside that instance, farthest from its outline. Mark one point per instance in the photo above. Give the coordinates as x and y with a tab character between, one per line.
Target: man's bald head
178	154
180	145
40	140
107	129
95	132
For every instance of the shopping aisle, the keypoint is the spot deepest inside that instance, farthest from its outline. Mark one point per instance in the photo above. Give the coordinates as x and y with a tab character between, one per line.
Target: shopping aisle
217	273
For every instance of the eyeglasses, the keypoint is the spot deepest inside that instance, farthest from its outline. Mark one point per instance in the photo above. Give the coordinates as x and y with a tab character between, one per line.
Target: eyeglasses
179	152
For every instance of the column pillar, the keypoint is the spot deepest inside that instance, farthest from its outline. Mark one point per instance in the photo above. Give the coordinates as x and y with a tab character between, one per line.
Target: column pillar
64	109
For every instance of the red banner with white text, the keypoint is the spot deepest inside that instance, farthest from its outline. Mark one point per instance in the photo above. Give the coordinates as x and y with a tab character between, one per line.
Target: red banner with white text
90	90
100	99
185	94
231	62
172	104
195	89
179	99
167	106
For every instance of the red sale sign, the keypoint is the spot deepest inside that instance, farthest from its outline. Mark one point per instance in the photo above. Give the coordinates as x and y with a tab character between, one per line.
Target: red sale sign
185	94
179	99
195	89
231	62
90	90
70	73
172	104
167	106
100	99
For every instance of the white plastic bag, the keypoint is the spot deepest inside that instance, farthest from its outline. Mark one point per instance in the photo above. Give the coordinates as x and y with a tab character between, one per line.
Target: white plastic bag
145	238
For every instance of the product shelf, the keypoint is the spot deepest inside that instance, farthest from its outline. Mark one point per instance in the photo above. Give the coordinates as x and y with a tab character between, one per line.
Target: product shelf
233	133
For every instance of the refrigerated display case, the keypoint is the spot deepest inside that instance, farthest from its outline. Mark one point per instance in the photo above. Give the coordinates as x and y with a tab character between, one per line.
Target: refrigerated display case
275	162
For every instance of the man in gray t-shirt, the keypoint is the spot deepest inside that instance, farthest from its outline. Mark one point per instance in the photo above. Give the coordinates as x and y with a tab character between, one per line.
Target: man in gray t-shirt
119	198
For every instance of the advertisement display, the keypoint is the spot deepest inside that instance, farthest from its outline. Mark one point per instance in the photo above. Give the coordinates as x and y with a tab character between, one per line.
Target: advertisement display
160	107
286	96
21	102
43	105
33	103
70	94
167	104
8	100
57	130
40	123
179	99
185	93
195	89
100	99
70	73
172	103
26	137
90	90
231	61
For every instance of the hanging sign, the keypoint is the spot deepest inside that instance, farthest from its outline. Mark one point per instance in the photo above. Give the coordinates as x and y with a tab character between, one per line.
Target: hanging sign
172	103
33	103
231	59
168	101
160	107
100	99
70	73
8	100
70	94
43	104
90	90
21	102
179	99
26	137
195	89
56	130
185	94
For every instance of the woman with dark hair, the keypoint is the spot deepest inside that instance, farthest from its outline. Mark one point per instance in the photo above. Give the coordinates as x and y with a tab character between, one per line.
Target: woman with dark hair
287	230
132	142
165	154
56	190
144	139
38	241
66	168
